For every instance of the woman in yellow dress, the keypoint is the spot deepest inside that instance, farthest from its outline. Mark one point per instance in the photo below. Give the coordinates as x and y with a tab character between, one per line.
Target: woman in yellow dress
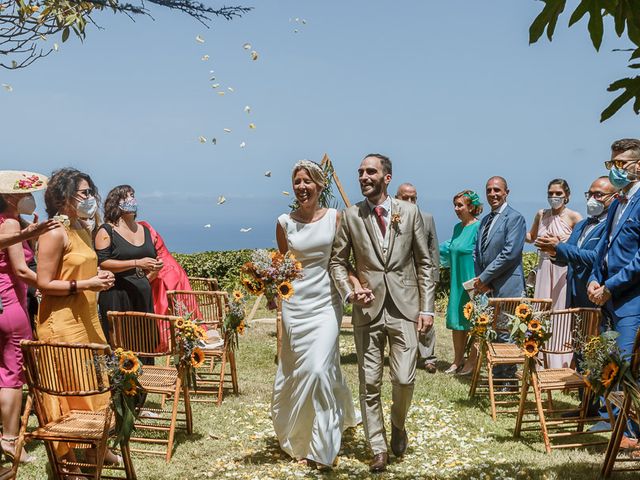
68	279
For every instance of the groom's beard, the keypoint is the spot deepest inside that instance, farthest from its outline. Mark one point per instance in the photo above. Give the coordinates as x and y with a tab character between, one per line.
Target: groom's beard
375	191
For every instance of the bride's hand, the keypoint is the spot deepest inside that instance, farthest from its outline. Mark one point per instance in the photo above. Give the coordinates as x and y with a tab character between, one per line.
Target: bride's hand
363	297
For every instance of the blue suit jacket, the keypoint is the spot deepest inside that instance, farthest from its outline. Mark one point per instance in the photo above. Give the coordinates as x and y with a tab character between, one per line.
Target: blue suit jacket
500	265
579	262
621	274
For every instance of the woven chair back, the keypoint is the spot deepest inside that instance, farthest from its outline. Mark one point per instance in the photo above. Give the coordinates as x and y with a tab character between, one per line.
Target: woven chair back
502	306
207	308
145	334
66	369
203	284
566	323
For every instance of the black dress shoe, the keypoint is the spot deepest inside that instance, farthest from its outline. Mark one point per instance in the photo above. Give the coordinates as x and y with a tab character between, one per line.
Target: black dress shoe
399	441
379	463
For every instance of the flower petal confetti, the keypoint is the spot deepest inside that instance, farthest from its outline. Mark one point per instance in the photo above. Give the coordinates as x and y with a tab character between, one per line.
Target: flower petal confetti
199	39
56	47
252	126
221	94
202	139
243	144
247	109
247	46
267	173
245	230
7	87
226	130
254	55
208	225
214	140
221	200
285	193
205	58
230	89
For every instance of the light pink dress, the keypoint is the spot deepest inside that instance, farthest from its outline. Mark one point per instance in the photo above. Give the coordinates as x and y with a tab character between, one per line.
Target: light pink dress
551	280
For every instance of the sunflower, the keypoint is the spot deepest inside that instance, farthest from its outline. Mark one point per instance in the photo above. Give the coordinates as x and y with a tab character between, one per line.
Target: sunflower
201	333
119	351
468	310
197	357
129	363
180	322
530	348
237	295
240	328
483	319
535	325
285	290
609	374
523	311
254	287
480	331
298	265
131	389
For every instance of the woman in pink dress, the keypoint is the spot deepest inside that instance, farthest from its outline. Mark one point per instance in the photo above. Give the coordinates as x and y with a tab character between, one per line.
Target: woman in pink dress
15	276
551	280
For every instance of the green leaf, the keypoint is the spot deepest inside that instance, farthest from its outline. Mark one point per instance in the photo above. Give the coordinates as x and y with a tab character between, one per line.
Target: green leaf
631	87
523	327
548	18
580	11
596	25
65	34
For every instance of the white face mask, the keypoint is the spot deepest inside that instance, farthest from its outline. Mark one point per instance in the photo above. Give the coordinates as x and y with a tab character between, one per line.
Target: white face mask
555	202
594	207
90	224
26	205
87	208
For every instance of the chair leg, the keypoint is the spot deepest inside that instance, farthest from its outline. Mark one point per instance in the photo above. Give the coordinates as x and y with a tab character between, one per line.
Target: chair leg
234	372
126	459
492	395
21	435
543	421
223	367
174	416
187	408
477	370
614	442
524	391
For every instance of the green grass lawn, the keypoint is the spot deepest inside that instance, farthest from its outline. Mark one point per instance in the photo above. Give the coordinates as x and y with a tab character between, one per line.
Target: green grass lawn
450	436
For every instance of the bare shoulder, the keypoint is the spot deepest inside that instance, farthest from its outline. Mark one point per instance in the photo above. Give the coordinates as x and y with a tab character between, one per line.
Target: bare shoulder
57	236
10	225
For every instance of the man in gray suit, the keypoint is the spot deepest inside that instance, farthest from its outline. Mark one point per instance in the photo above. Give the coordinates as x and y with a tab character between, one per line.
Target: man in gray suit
426	341
386	238
498	255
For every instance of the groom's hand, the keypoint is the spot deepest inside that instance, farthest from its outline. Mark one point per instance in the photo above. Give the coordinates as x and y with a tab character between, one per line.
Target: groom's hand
425	323
362	297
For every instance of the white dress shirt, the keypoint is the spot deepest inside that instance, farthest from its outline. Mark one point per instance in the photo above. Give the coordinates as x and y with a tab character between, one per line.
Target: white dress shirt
495	217
623	206
386	216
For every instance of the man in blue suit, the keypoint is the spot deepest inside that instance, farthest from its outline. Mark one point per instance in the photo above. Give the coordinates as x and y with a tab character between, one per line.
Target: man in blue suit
498	255
579	252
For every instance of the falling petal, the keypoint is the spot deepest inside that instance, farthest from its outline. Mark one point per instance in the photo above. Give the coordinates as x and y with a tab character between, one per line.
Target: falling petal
245	230
247	109
205	58
202	139
214	141
212	79
14	64
252	126
226	130
55	47
43	38
199	39
297	19
267	173
247	46
7	87
254	55
215	85
304	22
295	30
230	89
208	225
221	93
243	144
221	200
285	193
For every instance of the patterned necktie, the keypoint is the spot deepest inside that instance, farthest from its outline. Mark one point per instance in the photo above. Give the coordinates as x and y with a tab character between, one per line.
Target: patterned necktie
622	198
484	240
592	220
379	211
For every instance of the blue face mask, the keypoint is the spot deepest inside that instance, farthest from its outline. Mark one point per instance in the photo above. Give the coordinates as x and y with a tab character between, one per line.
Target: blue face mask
129	206
619	178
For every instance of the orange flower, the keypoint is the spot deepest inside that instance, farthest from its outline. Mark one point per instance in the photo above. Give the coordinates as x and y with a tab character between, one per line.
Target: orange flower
468	310
129	363
197	358
609	374
530	348
240	328
131	389
285	290
523	311
179	323
483	319
535	325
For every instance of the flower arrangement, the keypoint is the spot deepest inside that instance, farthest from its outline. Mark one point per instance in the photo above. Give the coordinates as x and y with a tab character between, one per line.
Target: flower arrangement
27	183
604	368
234	319
63	219
193	338
529	329
480	315
124	368
271	274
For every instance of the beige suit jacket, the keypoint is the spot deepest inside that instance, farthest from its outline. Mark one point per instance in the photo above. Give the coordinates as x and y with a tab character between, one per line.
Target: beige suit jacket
405	273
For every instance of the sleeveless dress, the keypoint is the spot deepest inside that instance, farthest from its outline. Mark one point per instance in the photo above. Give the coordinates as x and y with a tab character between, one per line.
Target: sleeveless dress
311	403
73	319
457	255
551	280
14	319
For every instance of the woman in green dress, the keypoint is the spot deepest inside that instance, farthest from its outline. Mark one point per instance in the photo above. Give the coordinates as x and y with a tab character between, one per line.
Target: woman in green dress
456	254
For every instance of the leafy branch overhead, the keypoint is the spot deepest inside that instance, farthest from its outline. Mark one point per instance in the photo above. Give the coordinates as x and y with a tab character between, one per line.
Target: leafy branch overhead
26	24
625	15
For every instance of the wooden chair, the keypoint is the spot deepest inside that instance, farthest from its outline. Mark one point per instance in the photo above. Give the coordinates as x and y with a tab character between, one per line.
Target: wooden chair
138	332
501	354
203	284
209	309
553	425
69	370
626	412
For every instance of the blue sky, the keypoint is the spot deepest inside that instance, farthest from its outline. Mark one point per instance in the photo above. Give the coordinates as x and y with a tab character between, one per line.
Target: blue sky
451	91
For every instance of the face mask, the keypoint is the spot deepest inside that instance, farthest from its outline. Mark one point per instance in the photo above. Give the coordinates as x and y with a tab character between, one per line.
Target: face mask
129	206
555	202
619	178
87	208
26	205
594	207
90	224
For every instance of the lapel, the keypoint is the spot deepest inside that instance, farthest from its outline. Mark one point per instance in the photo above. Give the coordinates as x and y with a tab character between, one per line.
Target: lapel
502	217
395	208
623	218
597	230
365	215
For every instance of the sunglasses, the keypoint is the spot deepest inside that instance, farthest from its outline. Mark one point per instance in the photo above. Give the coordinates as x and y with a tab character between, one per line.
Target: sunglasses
619	164
596	195
87	192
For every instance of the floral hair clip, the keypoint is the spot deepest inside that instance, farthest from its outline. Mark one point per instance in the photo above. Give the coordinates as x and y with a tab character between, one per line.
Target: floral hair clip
27	183
475	199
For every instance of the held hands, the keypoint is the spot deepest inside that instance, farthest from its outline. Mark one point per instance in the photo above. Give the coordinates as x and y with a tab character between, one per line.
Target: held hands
480	287
425	323
362	297
598	294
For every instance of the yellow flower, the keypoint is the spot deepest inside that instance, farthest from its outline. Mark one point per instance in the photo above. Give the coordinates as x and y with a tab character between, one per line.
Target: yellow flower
285	290
254	287
180	323
119	351
535	325
131	389
609	374
468	310
298	265
129	363
197	357
201	333
483	319
240	328
530	348
237	295
523	311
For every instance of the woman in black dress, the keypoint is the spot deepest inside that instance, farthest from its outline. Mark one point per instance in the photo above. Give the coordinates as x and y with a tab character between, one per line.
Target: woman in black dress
125	248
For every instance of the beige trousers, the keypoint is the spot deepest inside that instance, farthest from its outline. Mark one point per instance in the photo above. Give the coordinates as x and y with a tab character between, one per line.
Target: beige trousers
370	343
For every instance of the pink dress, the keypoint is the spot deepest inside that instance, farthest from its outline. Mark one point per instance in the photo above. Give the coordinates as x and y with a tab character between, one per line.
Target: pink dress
551	280
14	321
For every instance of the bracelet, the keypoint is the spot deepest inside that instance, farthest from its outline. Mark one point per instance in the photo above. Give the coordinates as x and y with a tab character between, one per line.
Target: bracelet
73	287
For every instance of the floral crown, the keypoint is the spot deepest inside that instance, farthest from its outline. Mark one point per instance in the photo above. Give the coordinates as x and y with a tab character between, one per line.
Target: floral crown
27	183
311	166
473	196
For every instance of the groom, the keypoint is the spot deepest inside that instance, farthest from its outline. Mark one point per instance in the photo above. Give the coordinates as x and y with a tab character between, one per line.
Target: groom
386	238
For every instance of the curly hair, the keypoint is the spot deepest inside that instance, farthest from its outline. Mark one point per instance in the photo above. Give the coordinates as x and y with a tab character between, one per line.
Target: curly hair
62	189
112	211
474	210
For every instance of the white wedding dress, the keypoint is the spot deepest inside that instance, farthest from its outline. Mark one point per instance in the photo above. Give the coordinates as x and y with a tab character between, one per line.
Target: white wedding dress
311	403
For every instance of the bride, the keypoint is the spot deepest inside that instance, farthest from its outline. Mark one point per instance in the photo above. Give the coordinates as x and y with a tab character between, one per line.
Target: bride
311	403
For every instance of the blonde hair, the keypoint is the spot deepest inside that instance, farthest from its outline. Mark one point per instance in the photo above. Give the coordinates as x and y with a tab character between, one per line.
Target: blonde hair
313	169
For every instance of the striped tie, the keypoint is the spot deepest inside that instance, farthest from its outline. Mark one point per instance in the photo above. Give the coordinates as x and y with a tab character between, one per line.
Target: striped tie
484	240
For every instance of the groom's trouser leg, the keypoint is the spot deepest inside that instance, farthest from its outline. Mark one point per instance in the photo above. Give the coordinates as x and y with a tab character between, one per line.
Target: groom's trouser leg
403	355
370	342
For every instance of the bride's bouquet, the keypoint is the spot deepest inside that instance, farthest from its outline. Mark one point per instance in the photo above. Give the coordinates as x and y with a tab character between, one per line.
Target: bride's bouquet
271	274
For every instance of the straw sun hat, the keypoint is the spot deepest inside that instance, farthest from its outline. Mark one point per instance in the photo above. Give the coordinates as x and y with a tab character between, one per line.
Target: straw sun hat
17	181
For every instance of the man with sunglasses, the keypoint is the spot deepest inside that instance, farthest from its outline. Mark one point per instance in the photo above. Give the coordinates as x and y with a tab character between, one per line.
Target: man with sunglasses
579	251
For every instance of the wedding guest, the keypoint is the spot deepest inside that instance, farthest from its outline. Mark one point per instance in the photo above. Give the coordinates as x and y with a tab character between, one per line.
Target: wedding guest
125	248
456	254
614	281
498	256
16	199
68	279
426	341
579	251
